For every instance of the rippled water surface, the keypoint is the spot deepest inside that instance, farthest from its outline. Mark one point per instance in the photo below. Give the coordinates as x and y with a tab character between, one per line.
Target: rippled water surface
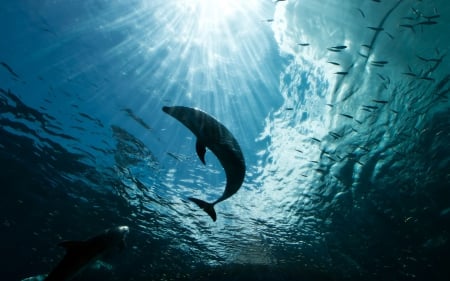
341	109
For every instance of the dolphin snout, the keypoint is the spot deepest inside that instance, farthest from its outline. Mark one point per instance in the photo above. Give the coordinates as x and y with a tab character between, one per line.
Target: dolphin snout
123	229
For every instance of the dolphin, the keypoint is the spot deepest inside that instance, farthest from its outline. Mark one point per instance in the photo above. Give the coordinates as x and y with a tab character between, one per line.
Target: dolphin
80	254
213	135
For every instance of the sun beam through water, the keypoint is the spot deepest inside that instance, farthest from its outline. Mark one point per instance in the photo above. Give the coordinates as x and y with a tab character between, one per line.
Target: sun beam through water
214	43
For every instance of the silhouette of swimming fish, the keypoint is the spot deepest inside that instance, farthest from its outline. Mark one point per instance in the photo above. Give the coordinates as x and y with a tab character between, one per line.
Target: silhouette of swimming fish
212	134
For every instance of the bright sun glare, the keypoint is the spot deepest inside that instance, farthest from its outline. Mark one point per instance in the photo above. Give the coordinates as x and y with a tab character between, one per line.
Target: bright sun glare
206	18
219	11
214	10
218	8
210	44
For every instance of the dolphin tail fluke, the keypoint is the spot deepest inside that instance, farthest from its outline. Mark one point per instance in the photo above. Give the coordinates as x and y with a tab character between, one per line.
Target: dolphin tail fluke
205	206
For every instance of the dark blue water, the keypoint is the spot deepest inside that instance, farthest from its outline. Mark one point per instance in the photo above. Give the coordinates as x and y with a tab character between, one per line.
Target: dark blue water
341	110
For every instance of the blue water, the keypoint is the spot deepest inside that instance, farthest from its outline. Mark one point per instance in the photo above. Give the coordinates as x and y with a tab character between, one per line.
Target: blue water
341	109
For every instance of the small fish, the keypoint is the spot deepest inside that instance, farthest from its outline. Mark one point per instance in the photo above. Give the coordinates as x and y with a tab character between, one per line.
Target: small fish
429	60
422	58
362	55
381	77
431	17
375	28
303	44
298	150
380	62
380	101
409	74
330	105
139	120
436	60
437	51
377	64
86	116
390	35
361	12
334	63
341	47
346	115
341	73
334	50
316	139
428	22
335	135
10	70
370	106
174	156
426	78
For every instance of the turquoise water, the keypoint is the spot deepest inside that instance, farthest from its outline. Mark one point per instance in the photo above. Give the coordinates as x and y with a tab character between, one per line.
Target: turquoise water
341	109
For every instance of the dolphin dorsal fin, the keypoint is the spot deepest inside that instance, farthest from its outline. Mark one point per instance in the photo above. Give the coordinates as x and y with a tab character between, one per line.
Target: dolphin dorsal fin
201	150
71	246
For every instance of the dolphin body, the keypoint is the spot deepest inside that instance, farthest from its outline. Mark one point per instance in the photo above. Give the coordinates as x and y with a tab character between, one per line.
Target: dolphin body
212	134
80	254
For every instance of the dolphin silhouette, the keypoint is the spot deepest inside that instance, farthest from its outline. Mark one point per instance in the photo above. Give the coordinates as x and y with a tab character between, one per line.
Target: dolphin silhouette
80	254
212	134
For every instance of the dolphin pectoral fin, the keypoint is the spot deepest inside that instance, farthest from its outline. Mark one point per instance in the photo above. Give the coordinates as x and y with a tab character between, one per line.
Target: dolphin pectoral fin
205	206
201	150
